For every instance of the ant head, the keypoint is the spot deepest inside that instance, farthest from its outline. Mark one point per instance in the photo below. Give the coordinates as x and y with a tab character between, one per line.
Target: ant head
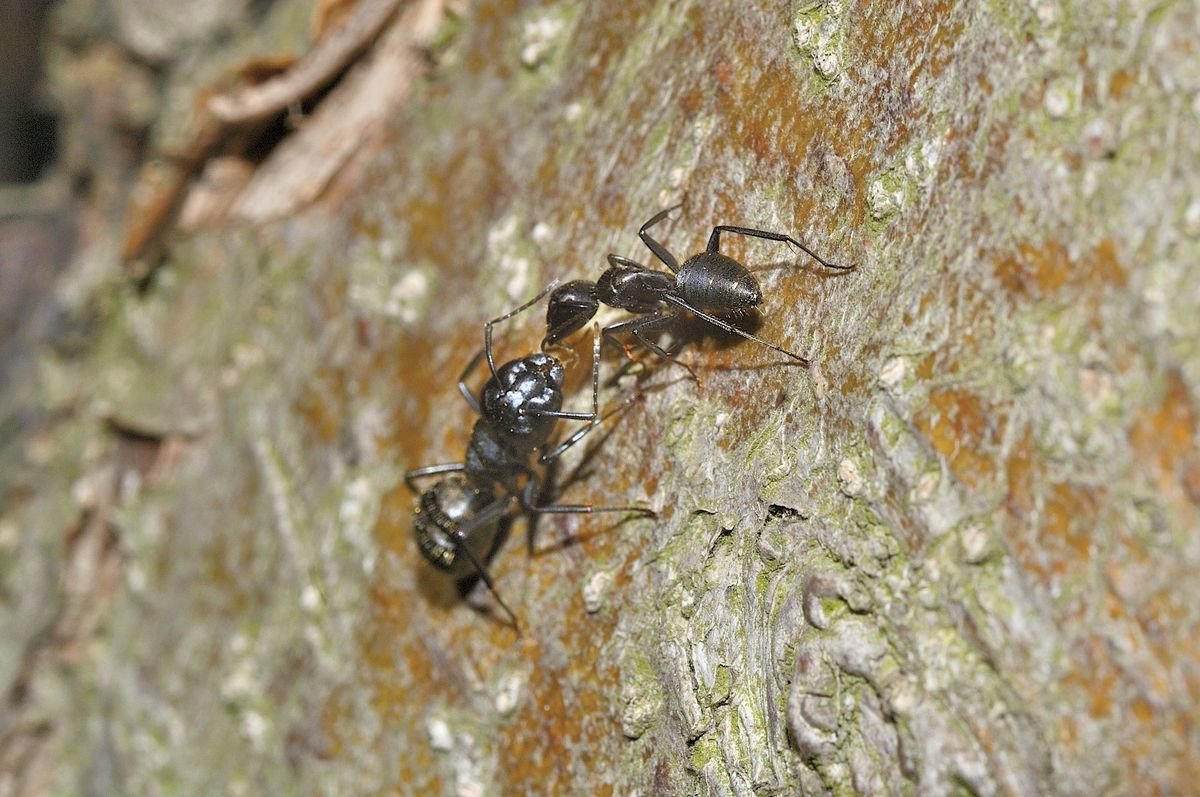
570	307
516	401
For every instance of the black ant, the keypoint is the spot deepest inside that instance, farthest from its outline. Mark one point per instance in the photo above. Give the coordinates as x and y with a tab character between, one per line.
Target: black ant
708	281
458	519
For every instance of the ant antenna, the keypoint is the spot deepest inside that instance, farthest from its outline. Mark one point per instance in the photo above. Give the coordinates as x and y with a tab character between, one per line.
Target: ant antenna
487	328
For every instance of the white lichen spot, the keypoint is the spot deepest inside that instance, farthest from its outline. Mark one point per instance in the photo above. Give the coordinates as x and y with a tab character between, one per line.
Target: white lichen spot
885	197
850	477
508	692
241	683
539	39
804	31
356	510
926	486
310	598
931	151
248	355
573	112
513	266
975	539
1191	219
135	577
1059	101
893	373
1047	12
88	489
595	589
468	779
440	736
542	233
407	297
238	644
818	29
255	727
677	176
130	487
720	419
827	62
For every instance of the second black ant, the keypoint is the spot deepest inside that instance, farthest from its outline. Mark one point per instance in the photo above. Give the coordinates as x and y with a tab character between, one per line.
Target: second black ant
458	519
708	282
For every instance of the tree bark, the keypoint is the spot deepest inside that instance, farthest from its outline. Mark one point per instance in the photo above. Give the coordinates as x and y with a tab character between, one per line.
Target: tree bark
953	555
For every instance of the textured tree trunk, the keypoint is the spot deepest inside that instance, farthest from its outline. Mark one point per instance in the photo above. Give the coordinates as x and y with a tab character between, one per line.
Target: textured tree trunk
956	554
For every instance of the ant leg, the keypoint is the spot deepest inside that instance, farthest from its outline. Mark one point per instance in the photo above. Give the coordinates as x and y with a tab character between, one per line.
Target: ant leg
534	485
487	328
492	513
581	433
638	324
654	246
714	242
462	383
431	470
725	325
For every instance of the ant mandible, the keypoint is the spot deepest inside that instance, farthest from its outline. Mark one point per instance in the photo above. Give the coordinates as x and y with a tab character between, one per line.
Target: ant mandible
458	519
708	281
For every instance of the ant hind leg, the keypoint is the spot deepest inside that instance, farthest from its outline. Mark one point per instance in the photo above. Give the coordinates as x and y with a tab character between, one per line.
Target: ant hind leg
654	246
714	242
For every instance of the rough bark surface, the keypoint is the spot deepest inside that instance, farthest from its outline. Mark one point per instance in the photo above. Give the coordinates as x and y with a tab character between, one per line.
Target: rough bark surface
958	554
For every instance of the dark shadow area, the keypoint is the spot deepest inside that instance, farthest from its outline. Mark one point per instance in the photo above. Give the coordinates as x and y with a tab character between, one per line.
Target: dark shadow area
28	127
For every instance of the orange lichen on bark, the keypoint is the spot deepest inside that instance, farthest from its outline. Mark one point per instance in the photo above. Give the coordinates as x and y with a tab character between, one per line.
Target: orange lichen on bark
1164	437
965	429
557	730
1095	675
1066	516
323	416
1034	269
1043	269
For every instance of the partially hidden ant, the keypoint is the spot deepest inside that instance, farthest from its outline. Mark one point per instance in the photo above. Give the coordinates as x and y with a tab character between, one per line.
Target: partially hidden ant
458	519
708	282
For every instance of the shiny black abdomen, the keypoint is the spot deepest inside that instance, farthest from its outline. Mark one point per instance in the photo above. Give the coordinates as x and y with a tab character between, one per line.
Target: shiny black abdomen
442	512
712	281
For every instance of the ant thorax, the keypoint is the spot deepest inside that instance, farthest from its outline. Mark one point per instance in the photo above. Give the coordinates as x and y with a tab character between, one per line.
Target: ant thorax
636	291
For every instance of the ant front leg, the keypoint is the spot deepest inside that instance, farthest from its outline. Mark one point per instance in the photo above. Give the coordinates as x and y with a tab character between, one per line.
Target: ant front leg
654	246
462	383
714	242
487	328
